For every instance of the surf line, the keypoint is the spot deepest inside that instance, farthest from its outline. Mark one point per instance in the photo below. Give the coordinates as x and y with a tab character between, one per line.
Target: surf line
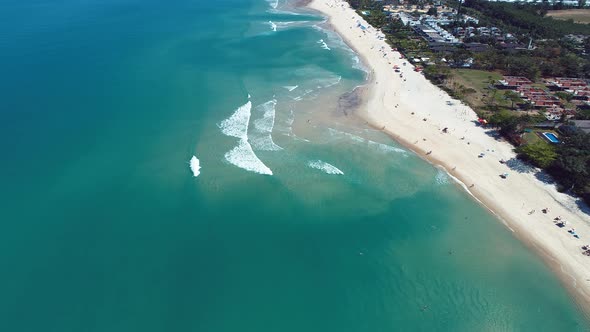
242	155
325	167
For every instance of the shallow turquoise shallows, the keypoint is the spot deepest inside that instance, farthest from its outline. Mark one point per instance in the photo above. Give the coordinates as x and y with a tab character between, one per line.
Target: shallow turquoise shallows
103	226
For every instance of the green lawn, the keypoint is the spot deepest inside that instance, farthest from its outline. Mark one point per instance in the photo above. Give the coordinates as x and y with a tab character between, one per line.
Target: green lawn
531	137
477	80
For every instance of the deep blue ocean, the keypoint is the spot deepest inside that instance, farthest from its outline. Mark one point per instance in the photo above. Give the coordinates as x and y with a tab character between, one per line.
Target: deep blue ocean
302	218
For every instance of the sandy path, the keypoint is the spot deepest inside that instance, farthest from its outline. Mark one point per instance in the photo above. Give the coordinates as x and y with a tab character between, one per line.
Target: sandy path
400	105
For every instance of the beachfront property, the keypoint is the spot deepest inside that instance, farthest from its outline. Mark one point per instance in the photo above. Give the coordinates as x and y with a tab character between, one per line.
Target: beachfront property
513	82
574	3
545	98
432	33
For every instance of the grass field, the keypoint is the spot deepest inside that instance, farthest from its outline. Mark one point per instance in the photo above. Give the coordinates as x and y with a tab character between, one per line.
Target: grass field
578	15
478	81
531	137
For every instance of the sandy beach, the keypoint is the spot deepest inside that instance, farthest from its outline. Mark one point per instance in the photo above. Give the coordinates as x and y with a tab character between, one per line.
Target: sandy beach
415	112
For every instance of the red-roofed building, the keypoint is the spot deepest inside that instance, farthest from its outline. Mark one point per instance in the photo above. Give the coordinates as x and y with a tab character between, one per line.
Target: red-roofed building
513	82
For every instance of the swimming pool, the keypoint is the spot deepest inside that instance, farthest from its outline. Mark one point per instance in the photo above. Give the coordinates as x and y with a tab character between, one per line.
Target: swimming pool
551	137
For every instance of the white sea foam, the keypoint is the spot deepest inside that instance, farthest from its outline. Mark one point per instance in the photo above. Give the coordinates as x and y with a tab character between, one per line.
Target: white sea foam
288	24
291	87
376	145
262	136
291	117
237	124
305	93
328	82
441	177
386	148
273	3
273	26
195	166
324	167
244	157
357	64
323	44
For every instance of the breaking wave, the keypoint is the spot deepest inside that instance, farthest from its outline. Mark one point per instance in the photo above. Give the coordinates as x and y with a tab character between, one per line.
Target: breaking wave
441	177
376	145
195	166
262	137
237	124
325	167
291	87
386	148
328	82
242	155
273	26
323	44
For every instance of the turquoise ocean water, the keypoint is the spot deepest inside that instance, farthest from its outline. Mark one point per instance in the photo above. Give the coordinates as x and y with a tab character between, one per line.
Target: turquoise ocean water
104	228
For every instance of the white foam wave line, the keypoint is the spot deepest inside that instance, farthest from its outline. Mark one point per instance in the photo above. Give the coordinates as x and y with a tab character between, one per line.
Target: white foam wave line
323	44
291	87
356	138
273	26
244	157
262	139
379	146
441	177
288	24
325	167
237	124
305	93
387	148
195	166
282	12
273	3
329	82
464	186
357	64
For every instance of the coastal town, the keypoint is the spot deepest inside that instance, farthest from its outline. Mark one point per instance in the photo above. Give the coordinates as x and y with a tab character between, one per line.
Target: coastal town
518	68
501	108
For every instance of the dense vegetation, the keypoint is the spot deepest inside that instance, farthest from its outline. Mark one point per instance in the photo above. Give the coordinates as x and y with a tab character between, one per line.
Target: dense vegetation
568	162
572	165
523	19
552	55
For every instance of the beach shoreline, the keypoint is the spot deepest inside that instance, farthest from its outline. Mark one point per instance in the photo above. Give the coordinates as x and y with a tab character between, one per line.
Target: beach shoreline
413	111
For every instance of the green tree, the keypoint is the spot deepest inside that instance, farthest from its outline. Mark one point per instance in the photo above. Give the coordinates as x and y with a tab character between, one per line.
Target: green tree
572	168
572	64
540	153
506	121
432	11
564	95
522	66
513	97
437	73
